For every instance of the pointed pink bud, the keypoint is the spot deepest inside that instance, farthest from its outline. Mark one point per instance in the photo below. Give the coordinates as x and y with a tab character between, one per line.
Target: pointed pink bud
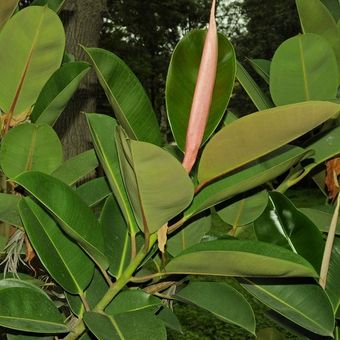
202	99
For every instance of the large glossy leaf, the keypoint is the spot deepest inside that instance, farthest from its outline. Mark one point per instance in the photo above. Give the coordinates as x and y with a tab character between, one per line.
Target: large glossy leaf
26	307
262	68
223	301
116	237
58	90
181	82
65	261
132	326
9	212
126	95
158	186
32	55
326	147
239	258
30	147
334	8
245	210
132	300
306	304
93	294
7	8
94	191
333	277
77	167
282	224
261	171
71	212
238	143
303	68
189	235
321	217
260	100
315	18
103	130
55	5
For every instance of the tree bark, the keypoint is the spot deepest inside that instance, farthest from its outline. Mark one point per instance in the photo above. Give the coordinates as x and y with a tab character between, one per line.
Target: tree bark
83	21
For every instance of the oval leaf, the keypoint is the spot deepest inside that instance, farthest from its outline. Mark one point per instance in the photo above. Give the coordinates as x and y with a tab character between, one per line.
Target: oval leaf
9	212
27	308
69	266
181	82
305	67
30	147
31	56
315	18
261	67
239	258
132	326
282	224
223	301
305	304
58	90
238	143
7	8
244	211
126	95
157	184
72	214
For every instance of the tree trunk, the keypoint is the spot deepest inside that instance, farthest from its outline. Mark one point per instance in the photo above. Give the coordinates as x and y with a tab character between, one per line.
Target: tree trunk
83	22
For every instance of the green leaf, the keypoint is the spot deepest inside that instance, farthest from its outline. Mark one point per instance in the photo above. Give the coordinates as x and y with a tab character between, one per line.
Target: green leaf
93	294
126	95
315	18
55	5
116	236
238	143
282	224
9	212
257	173
94	191
223	301
170	319
189	235
30	147
261	67
244	211
306	304
181	82
103	130
32	55
322	219
132	326
325	147
65	261
72	214
154	201
333	7
305	67
58	90
239	258
7	8
333	276
77	167
28	308
260	100
132	300
27	337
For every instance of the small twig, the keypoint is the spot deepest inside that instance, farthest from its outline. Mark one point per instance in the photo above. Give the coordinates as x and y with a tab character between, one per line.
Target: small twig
329	245
85	302
140	279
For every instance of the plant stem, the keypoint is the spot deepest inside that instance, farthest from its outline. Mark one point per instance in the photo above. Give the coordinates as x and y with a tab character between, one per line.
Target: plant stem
329	245
116	287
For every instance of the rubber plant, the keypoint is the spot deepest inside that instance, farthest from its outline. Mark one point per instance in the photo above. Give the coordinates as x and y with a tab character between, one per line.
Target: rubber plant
112	258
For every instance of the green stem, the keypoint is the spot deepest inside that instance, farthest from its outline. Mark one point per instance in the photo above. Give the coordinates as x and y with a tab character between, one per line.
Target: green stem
116	287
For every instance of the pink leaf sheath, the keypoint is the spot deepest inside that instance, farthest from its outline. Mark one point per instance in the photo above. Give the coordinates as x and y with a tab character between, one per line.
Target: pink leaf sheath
203	94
